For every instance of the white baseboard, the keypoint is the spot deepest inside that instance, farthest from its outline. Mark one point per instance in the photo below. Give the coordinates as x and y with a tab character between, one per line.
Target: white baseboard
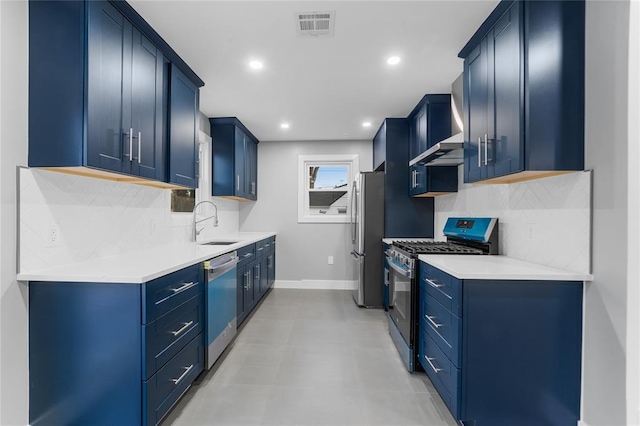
317	284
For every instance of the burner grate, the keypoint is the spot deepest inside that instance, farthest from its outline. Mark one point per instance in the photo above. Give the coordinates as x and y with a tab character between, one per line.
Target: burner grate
435	247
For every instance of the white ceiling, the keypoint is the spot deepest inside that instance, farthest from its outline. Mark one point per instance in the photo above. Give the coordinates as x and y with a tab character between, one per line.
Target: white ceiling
324	87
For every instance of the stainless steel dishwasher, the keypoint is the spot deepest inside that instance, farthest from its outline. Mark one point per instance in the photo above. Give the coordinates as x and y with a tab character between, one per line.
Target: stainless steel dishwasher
220	311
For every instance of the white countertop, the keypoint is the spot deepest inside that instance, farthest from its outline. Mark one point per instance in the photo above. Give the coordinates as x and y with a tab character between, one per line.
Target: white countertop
499	268
142	266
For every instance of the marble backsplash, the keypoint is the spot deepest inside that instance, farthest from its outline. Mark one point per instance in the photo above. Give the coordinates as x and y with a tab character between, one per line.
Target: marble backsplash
546	221
98	218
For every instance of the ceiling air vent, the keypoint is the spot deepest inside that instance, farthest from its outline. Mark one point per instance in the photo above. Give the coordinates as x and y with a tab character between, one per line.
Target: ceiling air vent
315	24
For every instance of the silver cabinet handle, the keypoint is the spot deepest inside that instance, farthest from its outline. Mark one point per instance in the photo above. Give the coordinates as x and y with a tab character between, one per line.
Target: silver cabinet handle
260	249
139	145
131	144
186	371
184	287
183	328
247	255
435	324
253	188
479	151
486	150
433	283
247	281
237	182
437	370
386	276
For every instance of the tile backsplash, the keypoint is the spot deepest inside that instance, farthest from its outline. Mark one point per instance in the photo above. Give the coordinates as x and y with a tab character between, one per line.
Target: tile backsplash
98	218
544	221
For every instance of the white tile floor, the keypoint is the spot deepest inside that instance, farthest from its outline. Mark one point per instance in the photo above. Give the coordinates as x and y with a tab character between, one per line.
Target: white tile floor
311	357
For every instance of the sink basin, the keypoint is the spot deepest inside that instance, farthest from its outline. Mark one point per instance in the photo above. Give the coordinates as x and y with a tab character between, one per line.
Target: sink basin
218	243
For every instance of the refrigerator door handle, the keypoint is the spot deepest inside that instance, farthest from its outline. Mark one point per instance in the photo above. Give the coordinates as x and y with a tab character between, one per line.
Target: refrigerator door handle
353	222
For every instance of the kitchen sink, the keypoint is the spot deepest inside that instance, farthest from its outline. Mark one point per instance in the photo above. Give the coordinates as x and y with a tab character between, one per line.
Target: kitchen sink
218	243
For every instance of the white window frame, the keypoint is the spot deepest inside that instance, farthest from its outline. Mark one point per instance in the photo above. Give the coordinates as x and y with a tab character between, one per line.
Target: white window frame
304	162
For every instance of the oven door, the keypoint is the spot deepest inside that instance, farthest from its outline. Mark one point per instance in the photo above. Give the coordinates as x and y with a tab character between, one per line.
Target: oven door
400	298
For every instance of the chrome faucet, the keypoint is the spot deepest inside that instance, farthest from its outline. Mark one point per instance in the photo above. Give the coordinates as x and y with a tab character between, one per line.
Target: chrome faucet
197	232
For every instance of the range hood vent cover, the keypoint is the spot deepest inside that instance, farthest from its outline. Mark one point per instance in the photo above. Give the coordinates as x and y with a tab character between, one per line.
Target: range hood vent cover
447	152
315	24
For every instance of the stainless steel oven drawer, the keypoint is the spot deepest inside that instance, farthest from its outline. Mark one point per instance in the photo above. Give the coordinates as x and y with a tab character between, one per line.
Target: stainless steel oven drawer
443	326
443	287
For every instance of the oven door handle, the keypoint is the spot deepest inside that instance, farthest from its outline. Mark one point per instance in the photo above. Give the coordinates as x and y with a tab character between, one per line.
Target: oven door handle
403	271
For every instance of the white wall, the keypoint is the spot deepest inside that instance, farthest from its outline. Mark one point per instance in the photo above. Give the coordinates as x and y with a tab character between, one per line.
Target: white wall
633	146
605	324
14	376
544	221
302	248
633	267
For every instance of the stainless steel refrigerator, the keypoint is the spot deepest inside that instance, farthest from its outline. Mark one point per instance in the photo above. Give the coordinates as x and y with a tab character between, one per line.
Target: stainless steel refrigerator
367	231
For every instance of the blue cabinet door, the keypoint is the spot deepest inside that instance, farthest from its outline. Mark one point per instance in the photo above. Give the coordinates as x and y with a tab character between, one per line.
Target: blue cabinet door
476	94
504	150
146	108
183	130
379	151
240	164
430	122
251	171
109	128
240	294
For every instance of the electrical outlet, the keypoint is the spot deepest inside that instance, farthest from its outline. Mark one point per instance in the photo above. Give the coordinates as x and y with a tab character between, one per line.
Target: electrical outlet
52	235
531	232
330	260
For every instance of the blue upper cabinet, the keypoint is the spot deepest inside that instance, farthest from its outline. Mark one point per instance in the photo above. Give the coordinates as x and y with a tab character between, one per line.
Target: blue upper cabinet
521	69
98	92
235	160
429	123
183	130
404	216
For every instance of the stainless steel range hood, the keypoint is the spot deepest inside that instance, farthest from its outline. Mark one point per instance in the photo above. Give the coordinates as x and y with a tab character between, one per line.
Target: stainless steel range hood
448	152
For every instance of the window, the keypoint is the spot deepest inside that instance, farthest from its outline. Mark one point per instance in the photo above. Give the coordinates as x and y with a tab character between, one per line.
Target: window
324	187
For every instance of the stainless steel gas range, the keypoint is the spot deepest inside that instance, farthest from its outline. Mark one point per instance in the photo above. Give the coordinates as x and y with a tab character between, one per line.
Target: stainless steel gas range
470	236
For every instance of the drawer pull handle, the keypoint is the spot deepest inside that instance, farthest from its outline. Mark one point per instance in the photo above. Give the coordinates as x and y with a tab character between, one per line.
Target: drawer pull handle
247	255
183	287
184	327
435	324
260	248
186	371
433	283
437	370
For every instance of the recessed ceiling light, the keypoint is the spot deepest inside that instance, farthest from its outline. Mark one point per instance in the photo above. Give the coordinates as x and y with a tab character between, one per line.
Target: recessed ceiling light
284	126
366	124
256	65
394	60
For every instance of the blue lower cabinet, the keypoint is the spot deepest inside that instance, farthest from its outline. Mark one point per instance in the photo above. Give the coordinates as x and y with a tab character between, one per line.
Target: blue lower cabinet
99	355
256	274
502	352
166	387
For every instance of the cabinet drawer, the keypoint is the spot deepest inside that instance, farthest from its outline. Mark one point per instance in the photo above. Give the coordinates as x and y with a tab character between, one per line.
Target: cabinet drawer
165	293
168	334
444	375
262	246
443	327
442	286
164	388
246	254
